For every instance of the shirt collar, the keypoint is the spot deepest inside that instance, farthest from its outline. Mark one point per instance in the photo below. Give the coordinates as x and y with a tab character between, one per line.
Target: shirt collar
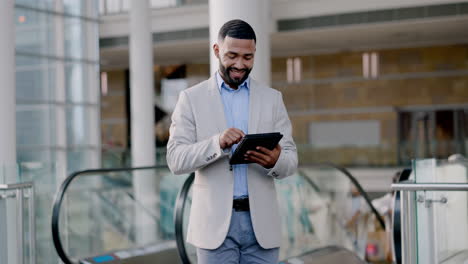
221	83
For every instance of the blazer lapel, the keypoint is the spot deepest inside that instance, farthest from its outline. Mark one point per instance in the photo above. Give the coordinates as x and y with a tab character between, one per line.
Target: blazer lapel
254	107
217	107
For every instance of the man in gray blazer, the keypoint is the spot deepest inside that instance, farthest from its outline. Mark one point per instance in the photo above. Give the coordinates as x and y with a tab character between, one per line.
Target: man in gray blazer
234	216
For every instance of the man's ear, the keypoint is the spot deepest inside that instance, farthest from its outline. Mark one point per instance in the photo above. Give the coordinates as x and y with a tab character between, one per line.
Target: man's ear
216	50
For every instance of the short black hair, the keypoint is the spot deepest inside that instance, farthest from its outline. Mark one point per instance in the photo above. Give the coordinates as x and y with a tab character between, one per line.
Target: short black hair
238	29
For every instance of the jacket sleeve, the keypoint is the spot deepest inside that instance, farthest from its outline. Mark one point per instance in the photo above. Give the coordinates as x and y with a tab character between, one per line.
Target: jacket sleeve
184	153
287	161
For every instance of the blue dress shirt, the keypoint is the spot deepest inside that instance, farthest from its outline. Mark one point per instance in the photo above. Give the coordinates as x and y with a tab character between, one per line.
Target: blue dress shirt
236	112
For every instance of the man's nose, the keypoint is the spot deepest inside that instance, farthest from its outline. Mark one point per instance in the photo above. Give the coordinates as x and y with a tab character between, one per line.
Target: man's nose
239	64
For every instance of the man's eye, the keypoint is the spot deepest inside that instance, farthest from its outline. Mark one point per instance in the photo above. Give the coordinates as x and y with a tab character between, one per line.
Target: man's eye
231	56
248	58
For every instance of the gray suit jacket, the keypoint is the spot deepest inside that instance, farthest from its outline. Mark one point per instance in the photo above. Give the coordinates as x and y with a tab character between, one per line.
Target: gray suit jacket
197	122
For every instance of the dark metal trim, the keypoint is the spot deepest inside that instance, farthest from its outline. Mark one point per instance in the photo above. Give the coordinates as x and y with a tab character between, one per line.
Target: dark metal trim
373	16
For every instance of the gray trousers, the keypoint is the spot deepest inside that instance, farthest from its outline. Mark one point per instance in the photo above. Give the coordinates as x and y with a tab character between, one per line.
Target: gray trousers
240	245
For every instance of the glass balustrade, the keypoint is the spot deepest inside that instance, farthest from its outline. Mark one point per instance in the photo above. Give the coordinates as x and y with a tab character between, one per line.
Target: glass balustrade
104	212
320	206
442	215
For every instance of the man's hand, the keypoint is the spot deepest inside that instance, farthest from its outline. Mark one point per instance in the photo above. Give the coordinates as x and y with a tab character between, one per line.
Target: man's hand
263	156
230	137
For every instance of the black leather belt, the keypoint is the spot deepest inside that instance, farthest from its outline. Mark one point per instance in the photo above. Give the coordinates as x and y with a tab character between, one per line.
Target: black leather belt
241	204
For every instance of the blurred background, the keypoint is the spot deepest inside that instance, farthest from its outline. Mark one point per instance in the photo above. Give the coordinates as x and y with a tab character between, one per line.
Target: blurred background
368	84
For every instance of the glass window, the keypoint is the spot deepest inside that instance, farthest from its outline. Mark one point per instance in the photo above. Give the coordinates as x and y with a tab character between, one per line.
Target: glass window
39	67
431	134
75	38
74	7
34	32
83	158
92	47
82	82
163	3
113	6
93	8
34	125
81	125
126	5
34	80
75	78
26	154
42	4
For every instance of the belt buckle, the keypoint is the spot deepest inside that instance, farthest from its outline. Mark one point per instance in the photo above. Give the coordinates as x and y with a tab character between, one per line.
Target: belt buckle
241	204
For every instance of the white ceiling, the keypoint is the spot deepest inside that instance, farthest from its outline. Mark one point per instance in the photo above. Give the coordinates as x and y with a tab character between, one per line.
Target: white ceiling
443	31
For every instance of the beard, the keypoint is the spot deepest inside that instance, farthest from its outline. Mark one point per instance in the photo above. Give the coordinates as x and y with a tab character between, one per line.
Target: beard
233	81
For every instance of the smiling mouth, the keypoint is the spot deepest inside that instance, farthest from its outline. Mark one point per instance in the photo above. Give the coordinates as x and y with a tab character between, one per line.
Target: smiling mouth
237	73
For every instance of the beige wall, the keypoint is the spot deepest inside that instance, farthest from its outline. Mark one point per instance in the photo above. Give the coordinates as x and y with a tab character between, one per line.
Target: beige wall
333	89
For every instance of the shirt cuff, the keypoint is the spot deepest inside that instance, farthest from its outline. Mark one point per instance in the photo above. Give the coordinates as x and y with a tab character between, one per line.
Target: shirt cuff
226	150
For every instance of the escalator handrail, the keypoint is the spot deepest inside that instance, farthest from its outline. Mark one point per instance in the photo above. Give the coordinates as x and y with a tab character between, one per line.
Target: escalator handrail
59	199
179	211
358	186
183	194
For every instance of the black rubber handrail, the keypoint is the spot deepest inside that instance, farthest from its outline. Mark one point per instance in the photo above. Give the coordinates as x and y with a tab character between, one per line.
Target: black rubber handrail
59	199
179	211
183	194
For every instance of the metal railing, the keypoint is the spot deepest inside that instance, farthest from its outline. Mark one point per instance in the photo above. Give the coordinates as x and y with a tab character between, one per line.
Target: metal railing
408	212
16	191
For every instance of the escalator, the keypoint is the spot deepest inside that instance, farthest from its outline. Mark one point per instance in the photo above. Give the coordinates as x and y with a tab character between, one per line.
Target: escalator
98	217
316	205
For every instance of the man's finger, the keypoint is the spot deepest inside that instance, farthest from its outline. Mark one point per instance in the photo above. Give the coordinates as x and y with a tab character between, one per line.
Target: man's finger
239	131
228	140
232	137
259	155
235	134
256	160
239	136
264	150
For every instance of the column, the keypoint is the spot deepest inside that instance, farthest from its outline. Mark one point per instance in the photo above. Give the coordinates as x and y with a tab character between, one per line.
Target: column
7	100
94	94
145	183
8	240
258	14
59	91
